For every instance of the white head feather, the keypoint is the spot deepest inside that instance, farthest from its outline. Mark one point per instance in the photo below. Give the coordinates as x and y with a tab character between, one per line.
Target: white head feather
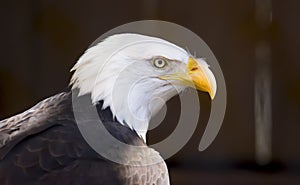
117	71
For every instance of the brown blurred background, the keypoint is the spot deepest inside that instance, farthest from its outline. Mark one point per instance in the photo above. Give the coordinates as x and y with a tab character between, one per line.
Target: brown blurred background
42	39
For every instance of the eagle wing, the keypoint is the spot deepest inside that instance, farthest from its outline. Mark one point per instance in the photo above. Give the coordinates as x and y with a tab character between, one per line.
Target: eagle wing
34	120
43	145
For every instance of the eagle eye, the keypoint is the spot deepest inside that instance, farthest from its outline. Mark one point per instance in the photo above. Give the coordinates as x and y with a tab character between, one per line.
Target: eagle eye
159	62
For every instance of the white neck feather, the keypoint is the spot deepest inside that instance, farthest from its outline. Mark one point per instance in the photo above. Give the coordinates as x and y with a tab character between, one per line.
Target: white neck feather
110	73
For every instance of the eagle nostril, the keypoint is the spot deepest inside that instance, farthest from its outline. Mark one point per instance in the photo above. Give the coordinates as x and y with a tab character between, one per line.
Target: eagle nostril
194	68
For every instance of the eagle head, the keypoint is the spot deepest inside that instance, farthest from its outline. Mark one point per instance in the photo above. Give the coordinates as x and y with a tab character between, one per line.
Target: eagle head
134	75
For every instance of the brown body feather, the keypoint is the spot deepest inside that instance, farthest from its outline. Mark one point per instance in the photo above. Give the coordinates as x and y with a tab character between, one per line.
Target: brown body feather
44	146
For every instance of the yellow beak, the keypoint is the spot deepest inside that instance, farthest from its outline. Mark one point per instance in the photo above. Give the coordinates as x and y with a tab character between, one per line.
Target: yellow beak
202	77
198	76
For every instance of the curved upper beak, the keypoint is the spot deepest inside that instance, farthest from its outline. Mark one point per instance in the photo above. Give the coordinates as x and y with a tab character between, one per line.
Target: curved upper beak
197	75
202	77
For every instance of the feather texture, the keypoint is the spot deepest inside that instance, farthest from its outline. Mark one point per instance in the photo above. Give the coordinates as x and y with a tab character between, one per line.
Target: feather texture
44	146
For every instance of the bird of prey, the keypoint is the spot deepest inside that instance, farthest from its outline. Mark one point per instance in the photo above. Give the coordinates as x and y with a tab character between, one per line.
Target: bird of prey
119	77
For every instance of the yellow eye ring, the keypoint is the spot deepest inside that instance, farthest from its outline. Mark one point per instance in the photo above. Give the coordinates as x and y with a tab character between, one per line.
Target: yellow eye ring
159	62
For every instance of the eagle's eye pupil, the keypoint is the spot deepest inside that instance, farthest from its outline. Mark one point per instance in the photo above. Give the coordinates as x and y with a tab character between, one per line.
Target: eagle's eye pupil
159	63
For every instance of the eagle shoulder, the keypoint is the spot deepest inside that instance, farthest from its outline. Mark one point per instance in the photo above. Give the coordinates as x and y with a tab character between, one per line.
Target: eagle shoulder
43	145
31	121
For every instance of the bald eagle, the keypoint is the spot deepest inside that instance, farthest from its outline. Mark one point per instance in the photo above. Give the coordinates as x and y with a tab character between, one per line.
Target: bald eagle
119	76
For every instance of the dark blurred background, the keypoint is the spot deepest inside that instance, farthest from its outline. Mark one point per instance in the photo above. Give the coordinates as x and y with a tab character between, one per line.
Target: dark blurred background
42	39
